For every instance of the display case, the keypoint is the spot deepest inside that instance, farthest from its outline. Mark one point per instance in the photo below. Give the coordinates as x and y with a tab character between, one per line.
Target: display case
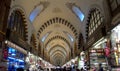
97	56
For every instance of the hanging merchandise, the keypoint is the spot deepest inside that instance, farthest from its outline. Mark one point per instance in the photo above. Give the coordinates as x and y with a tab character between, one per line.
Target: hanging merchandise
98	53
107	49
115	42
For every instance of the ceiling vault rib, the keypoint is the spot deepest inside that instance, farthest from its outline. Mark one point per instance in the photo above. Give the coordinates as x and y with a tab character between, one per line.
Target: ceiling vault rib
60	21
57	46
57	37
58	51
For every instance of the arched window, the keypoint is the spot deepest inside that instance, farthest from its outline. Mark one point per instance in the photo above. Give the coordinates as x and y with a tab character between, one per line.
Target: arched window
35	12
45	36
78	12
69	36
17	24
95	19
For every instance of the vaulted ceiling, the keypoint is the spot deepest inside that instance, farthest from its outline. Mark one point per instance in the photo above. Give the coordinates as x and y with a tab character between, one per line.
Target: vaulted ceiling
56	24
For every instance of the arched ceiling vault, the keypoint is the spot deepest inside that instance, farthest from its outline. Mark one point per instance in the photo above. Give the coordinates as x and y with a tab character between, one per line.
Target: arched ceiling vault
58	56
56	20
57	46
57	50
57	37
58	53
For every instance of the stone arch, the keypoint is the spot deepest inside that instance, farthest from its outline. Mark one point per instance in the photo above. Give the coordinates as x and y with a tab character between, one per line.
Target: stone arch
56	46
57	37
58	20
23	14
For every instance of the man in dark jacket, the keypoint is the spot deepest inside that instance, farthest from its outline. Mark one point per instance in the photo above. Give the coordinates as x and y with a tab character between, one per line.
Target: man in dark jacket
100	67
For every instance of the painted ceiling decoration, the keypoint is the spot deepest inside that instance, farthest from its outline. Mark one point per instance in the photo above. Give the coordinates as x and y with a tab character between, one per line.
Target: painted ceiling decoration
57	46
57	37
57	20
56	51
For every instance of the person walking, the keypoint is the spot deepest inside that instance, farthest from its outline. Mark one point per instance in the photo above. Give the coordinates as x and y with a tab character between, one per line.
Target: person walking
100	67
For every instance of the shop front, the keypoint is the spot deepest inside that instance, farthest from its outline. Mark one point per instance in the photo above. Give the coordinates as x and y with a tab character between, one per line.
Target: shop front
98	54
14	56
31	60
34	62
115	46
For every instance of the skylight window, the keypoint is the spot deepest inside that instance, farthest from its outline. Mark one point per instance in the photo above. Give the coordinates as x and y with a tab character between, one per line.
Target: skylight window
70	37
35	12
78	12
45	36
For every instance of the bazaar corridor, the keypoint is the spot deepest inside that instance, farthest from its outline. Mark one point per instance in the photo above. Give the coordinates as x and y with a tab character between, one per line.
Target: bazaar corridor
60	35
